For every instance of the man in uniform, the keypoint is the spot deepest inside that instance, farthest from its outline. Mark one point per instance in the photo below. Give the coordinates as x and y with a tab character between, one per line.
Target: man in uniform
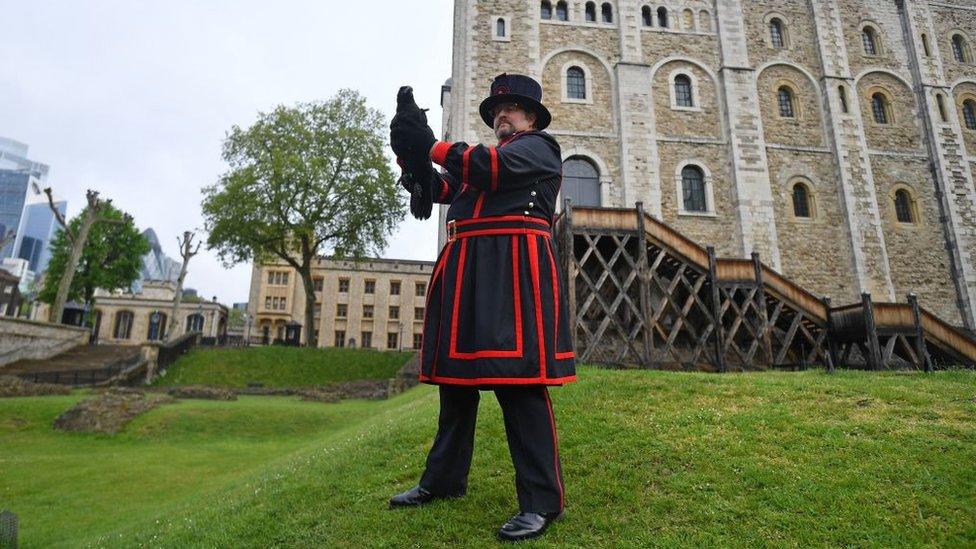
496	318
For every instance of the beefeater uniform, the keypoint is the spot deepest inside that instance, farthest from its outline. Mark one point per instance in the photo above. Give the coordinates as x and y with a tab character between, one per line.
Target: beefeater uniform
496	316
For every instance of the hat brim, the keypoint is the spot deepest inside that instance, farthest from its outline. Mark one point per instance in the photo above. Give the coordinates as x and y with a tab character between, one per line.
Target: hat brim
542	116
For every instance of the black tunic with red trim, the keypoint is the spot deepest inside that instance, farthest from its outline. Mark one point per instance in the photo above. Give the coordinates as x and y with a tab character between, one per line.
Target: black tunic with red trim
495	313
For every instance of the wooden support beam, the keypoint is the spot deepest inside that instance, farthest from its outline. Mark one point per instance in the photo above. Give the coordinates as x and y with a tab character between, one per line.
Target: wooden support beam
870	332
716	310
831	340
765	327
643	279
920	350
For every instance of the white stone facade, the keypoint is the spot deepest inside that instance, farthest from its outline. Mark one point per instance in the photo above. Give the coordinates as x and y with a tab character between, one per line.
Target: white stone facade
839	62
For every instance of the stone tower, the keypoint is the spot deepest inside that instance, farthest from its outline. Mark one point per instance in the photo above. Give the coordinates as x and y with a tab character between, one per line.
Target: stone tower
836	138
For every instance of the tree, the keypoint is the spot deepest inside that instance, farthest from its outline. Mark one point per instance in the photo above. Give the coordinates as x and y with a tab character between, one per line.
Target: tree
110	259
186	252
304	180
76	237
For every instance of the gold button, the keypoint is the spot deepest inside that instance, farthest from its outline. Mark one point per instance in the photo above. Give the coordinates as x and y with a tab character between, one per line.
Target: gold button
533	193
526	212
531	204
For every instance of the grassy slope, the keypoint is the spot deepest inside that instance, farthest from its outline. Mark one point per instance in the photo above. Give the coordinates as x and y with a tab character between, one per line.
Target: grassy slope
281	366
649	458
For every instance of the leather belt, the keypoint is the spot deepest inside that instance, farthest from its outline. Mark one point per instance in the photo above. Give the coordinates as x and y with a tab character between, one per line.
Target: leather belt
497	225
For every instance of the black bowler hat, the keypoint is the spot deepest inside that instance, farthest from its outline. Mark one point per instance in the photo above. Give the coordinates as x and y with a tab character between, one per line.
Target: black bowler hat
515	88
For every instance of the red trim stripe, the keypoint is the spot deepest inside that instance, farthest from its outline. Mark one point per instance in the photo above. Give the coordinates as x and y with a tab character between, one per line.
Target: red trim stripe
555	450
477	205
430	290
494	168
525	218
438	153
445	189
497	380
555	300
464	165
490	232
540	331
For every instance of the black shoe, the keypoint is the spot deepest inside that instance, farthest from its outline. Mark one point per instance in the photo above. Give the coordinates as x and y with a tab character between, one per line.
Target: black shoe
526	526
416	497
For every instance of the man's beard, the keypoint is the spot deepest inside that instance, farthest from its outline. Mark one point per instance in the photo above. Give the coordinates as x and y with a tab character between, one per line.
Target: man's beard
504	130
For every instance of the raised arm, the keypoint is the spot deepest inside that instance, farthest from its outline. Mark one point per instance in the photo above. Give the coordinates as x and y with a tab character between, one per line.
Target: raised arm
520	163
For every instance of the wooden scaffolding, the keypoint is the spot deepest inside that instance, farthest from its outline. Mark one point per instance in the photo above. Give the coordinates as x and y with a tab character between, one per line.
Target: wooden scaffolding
643	294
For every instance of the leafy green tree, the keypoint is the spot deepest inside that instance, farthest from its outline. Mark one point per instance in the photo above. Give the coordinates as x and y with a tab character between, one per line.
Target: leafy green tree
304	181
110	259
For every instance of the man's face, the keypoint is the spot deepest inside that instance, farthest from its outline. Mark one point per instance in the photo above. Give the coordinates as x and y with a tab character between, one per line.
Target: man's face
511	118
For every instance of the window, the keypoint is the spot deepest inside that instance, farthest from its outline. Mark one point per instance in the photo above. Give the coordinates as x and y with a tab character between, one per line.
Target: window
959	51
688	18
646	16
271	277
420	290
194	323
704	21
340	338
575	83
869	38
418	340
343	285
786	102
581	182
904	206
157	326
545	10
940	102
392	341
562	11
341	310
418	313
394	312
925	45
317	284
367	339
842	93
693	189
369	287
123	325
500	28
274	303
880	108
776	33
682	91
662	17
801	200
591	12
284	278
606	12
367	311
282	304
969	114
267	302
394	287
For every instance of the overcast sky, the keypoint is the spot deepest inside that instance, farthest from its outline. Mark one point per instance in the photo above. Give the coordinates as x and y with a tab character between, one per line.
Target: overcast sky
133	98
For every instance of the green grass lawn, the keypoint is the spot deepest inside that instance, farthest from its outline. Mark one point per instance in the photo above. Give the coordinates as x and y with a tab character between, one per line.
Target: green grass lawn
281	366
649	458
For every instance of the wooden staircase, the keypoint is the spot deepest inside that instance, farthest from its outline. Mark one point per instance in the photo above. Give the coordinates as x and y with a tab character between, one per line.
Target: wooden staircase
645	295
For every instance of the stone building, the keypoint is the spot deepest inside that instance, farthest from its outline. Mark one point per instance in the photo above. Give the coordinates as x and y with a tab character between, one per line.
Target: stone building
373	303
836	138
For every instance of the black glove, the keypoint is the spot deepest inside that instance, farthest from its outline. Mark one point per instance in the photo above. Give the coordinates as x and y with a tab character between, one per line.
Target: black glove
411	139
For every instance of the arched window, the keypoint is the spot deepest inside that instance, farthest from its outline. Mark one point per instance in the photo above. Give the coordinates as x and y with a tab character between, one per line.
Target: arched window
157	326
869	38
842	93
941	104
662	17
682	91
562	11
194	323
581	182
606	12
545	10
969	114
575	83
801	200
776	33
786	109
959	50
704	21
689	19
123	325
500	27
904	206
591	12
646	16
881	108
925	45
693	189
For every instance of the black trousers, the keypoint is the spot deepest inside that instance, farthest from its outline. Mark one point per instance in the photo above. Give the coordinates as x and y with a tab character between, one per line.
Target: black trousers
531	429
